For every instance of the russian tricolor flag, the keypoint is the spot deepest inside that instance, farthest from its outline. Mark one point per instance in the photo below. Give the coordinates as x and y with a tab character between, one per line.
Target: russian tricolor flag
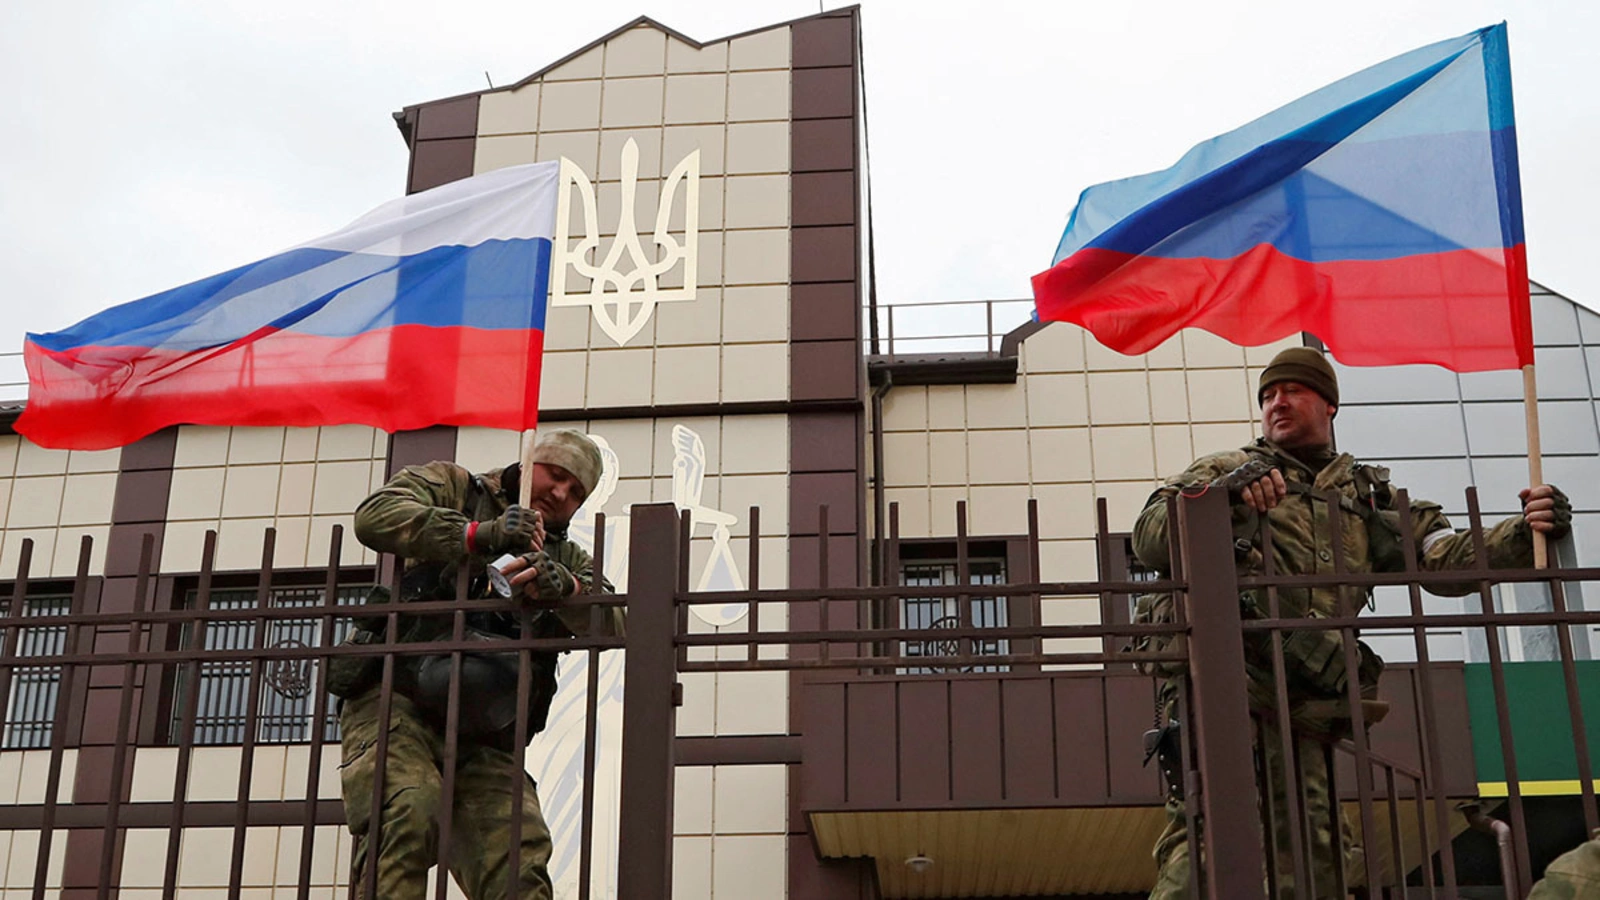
1382	214
428	310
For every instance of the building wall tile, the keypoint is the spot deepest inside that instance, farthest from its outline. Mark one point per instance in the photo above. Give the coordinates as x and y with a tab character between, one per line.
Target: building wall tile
198	445
751	799
757	257
763	50
64	561
906	409
637	51
679	141
196	494
570	106
752	703
996	406
758	96
582	147
686	375
250	491
755	314
583	66
1060	454
691	868
1058	347
86	499
1119	398
563	380
757	201
1057	400
763	372
998	457
631	103
1222	395
36	502
683	57
85	461
647	142
509	112
620	377
492	153
1123	452
756	148
692	800
696	99
1001	509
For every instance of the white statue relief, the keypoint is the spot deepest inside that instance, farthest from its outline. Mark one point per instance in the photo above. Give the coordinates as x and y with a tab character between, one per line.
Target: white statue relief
624	287
721	572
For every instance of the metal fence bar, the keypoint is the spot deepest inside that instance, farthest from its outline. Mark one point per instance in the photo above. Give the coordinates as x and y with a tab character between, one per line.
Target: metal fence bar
58	731
1519	819
247	749
1232	857
14	609
319	719
591	726
186	727
1580	737
644	848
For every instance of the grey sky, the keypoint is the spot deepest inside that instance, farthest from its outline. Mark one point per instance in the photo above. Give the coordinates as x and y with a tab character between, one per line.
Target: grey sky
153	142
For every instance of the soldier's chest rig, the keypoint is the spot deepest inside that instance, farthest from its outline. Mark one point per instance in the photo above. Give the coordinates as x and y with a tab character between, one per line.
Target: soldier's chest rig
1359	496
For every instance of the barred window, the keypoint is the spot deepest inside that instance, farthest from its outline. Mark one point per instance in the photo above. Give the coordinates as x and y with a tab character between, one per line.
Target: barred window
287	701
934	613
35	690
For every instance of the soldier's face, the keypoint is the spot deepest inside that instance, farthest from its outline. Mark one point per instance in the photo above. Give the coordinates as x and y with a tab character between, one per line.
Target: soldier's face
1295	416
555	493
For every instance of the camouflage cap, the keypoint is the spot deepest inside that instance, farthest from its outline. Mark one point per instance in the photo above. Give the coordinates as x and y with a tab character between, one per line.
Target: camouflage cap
1305	366
571	450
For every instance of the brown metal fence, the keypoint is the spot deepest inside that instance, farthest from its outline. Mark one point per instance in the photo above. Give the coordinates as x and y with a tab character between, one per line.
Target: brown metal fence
143	665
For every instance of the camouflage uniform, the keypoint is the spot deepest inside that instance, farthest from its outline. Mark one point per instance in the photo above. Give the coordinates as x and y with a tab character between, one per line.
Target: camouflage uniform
1574	875
1314	660
421	515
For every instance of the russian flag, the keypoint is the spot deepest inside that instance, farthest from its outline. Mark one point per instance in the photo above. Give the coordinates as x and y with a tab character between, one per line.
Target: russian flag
1382	214
428	310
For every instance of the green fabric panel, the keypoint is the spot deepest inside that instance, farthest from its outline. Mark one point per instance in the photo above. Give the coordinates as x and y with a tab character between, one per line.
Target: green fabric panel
1540	725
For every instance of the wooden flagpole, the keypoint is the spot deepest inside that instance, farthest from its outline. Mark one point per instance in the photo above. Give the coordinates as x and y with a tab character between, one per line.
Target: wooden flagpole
1530	405
525	487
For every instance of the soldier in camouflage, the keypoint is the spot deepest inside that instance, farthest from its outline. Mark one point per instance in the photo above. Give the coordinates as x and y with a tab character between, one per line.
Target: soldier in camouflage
1275	477
436	517
1574	875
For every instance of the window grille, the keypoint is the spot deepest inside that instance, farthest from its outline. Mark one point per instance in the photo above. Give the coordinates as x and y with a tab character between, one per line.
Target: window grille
933	613
287	701
35	690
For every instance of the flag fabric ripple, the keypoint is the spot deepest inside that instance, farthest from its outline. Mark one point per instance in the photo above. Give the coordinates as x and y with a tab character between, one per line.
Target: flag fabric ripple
1382	213
428	310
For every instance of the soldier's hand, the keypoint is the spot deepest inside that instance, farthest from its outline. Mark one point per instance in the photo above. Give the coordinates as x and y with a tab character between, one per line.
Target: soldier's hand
1258	484
514	531
1546	509
541	578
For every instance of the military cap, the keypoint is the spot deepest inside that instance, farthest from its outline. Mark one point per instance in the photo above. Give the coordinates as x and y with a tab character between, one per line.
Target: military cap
1305	366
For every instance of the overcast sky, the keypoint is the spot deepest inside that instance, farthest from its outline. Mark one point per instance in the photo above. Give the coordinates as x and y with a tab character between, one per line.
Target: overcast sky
149	143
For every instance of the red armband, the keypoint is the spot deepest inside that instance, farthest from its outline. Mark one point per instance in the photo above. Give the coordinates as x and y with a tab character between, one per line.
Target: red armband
472	537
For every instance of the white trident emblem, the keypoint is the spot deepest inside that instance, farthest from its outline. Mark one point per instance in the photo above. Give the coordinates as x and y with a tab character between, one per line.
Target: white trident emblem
624	300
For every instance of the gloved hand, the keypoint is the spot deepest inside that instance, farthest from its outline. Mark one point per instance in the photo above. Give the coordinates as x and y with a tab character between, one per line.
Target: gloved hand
1548	510
542	578
514	531
1258	483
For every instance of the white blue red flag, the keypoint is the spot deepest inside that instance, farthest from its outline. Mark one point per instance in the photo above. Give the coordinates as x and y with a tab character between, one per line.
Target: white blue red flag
1382	214
428	310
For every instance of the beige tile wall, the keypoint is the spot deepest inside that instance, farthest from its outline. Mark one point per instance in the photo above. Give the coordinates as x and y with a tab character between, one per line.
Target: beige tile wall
241	481
729	101
1081	422
54	498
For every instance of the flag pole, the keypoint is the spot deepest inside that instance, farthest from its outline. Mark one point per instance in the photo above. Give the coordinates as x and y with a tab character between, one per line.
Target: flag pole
1530	405
525	486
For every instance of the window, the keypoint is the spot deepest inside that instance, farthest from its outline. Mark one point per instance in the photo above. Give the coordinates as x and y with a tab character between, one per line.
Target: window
35	690
287	701
934	613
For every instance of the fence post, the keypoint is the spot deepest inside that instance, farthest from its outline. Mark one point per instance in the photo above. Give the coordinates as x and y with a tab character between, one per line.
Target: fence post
1234	862
644	840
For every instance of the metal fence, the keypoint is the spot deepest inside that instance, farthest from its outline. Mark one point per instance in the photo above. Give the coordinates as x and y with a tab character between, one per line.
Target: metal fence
149	662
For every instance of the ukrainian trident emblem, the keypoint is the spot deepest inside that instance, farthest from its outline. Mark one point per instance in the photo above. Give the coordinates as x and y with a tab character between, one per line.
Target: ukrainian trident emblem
625	285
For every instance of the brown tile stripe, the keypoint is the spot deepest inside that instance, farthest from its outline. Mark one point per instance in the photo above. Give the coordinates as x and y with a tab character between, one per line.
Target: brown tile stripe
825	364
138	507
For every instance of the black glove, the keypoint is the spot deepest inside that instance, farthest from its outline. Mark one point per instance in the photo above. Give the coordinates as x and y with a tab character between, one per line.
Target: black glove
552	581
512	532
1563	513
1251	472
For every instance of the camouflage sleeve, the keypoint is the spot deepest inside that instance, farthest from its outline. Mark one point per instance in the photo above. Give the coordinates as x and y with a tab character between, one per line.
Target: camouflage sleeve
581	565
1150	531
416	515
1572	875
1441	548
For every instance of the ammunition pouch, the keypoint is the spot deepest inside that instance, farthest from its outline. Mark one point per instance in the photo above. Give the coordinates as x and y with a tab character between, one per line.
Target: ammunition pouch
1165	747
487	696
351	676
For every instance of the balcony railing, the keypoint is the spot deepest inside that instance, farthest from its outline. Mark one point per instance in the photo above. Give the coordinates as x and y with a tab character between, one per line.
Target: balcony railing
955	326
128	669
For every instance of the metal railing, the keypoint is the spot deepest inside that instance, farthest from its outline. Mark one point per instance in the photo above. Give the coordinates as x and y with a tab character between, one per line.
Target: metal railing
128	659
952	326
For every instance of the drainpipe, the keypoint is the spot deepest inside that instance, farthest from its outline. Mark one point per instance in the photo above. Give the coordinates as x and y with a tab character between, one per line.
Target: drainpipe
879	507
1502	839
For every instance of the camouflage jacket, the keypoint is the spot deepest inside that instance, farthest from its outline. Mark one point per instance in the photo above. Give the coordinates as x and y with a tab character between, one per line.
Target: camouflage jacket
1574	875
421	515
1370	528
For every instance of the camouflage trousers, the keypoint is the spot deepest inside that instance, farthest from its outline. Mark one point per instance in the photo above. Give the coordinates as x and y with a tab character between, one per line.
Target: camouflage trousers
480	818
1574	875
1172	848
